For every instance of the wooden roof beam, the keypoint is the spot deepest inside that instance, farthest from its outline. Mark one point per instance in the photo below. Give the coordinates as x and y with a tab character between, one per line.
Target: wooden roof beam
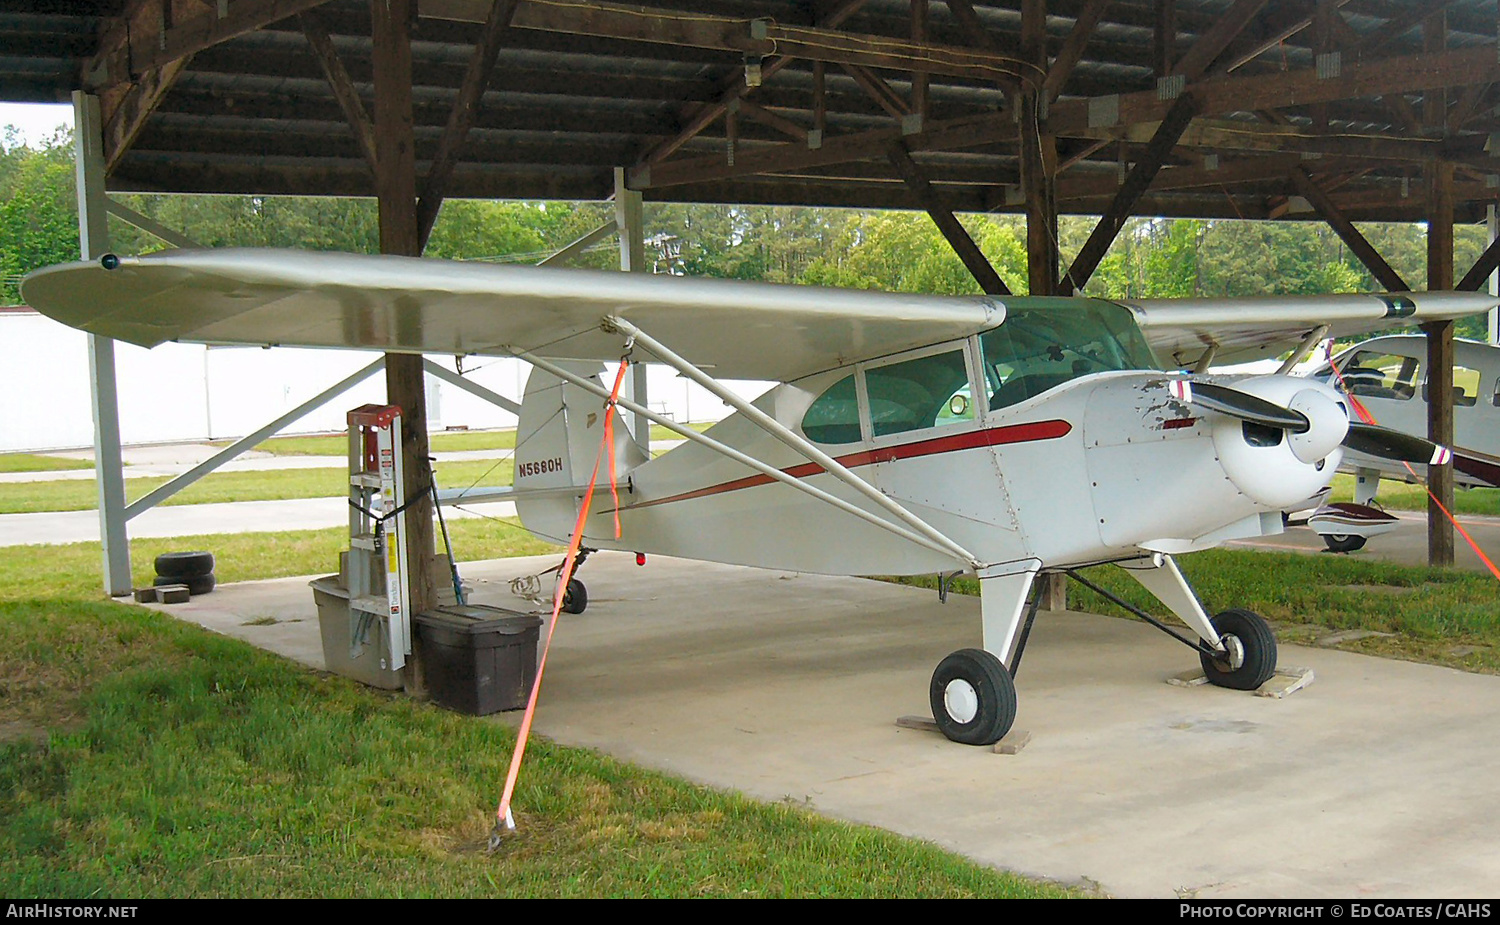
706	114
145	50
128	108
1409	73
1212	43
736	35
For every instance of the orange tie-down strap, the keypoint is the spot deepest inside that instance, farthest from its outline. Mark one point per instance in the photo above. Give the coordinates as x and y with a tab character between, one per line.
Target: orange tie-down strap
1368	418
503	819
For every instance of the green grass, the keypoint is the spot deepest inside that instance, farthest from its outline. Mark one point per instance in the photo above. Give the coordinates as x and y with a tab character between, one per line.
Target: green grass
1441	616
142	757
32	462
1401	496
75	495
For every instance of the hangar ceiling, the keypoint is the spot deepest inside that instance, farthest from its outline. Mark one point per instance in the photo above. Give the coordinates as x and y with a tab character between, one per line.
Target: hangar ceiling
1242	108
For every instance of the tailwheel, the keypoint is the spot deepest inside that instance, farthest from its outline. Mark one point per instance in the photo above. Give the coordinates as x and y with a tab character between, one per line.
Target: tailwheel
1343	542
973	697
575	597
1249	651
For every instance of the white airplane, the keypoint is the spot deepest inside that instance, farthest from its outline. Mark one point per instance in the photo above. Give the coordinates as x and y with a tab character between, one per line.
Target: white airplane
1388	376
909	434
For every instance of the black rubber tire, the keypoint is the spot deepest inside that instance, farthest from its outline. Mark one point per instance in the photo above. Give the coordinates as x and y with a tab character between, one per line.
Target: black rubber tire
1259	643
576	597
184	564
198	584
995	691
1343	542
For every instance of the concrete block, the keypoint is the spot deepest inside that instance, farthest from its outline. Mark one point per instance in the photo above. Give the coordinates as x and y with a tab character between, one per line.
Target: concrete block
173	594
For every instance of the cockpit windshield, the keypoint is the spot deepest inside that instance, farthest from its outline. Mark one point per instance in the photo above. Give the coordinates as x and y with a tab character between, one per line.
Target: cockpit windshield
1037	349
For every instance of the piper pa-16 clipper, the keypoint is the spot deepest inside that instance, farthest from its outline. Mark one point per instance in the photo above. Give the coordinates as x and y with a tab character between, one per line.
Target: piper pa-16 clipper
909	434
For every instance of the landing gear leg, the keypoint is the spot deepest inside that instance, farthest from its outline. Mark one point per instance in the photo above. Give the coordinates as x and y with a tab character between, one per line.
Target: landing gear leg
973	692
1237	647
575	595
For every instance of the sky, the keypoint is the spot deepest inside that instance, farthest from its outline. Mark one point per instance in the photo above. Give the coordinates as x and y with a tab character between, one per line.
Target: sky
35	120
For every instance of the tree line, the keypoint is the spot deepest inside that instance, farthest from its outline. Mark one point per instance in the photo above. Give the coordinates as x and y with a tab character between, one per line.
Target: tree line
900	251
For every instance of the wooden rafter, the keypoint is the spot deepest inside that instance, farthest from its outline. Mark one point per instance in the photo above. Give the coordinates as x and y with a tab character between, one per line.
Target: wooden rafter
879	91
1130	192
126	110
465	111
958	237
143	51
1196	60
706	114
1409	73
1071	51
343	87
1357	243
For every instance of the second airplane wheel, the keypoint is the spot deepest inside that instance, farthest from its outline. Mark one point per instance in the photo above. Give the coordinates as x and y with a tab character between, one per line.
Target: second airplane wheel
576	597
973	697
1343	542
1249	659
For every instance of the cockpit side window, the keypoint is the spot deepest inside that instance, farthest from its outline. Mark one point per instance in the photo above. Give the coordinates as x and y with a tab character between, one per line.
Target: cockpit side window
915	394
833	416
1373	374
1038	349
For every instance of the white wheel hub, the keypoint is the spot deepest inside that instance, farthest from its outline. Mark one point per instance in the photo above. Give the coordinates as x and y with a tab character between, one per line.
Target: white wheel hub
961	701
1234	652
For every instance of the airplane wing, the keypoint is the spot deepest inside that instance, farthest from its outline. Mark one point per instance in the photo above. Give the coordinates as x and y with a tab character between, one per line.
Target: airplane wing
1258	328
265	297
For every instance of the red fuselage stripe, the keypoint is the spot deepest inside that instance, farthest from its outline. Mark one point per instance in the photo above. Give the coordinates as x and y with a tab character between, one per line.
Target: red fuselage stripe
996	436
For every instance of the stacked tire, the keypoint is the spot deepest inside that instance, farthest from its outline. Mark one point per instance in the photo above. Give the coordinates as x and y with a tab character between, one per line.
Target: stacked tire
194	569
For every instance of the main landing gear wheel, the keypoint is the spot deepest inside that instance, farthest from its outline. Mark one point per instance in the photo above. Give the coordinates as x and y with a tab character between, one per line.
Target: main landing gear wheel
1343	542
575	597
973	697
1249	659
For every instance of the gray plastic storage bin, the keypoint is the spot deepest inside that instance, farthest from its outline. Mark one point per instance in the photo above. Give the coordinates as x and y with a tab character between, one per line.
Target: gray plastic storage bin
478	659
333	623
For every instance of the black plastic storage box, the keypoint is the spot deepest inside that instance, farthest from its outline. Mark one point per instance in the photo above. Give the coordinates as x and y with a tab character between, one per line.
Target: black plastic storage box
480	659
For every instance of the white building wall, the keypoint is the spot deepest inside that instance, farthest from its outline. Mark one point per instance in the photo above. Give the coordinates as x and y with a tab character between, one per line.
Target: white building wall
182	392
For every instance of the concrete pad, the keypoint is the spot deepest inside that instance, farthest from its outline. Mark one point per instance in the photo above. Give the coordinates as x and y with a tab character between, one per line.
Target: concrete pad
1376	781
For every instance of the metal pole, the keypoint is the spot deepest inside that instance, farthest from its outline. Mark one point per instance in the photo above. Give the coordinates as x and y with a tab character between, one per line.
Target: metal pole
630	219
778	430
737	456
163	492
93	235
1492	223
582	244
449	376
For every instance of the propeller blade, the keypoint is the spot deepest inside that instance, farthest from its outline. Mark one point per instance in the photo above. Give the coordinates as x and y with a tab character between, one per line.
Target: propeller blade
1374	440
1240	405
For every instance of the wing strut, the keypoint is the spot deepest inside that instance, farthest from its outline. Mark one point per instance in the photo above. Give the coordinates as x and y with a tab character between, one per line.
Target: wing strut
743	458
778	430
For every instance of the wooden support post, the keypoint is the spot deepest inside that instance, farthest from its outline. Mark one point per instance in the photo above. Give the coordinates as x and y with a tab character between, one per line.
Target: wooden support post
396	189
1440	361
919	78
1038	158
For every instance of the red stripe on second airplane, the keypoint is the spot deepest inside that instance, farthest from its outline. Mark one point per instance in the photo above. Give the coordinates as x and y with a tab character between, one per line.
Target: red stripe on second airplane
995	436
